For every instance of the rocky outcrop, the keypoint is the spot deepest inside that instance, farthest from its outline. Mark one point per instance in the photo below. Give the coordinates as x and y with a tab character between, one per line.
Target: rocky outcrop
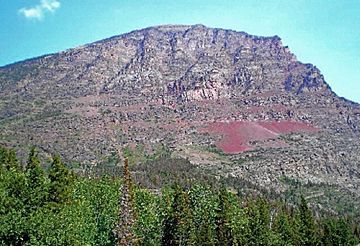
165	84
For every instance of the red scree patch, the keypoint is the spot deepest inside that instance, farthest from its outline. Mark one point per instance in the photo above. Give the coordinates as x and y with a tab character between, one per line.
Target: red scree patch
235	136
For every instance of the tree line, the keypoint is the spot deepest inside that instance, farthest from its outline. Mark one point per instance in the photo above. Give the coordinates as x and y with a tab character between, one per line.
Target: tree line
57	207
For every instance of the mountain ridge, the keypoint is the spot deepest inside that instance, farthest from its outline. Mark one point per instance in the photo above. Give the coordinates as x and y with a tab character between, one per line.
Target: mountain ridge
170	27
185	28
209	94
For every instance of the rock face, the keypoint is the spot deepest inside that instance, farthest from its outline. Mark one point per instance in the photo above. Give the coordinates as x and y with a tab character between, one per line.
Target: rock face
171	85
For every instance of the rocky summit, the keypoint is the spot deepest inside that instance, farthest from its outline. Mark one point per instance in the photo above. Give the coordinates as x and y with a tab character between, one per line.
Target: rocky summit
233	104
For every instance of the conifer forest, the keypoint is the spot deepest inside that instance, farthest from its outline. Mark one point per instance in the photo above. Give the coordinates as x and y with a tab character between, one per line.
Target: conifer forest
45	202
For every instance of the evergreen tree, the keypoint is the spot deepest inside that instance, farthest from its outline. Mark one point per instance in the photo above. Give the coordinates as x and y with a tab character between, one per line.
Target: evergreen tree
356	230
2	156
329	236
126	221
337	232
258	212
223	230
197	216
203	206
12	162
307	227
36	182
8	160
13	191
60	182
178	225
283	227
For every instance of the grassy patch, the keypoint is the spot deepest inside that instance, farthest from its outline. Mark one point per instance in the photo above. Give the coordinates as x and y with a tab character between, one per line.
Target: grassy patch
330	197
289	181
215	150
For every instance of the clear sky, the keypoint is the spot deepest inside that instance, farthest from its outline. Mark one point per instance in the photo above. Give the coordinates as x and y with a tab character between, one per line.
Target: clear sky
323	32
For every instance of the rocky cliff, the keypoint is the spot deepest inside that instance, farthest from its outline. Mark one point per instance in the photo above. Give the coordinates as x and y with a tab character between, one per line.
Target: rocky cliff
235	104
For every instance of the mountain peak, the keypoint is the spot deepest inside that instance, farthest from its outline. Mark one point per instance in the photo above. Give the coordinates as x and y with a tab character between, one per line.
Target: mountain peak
171	27
217	97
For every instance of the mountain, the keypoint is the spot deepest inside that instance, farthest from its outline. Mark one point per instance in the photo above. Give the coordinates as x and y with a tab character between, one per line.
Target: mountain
233	104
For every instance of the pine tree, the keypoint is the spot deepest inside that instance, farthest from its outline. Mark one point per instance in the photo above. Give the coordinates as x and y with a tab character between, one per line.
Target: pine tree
307	226
223	229
178	225
329	236
337	232
282	227
12	161
203	206
60	182
2	156
126	221
258	212
356	230
8	160
36	182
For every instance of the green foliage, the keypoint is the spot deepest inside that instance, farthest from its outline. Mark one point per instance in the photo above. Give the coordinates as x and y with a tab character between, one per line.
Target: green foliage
162	151
69	225
203	207
139	155
101	197
224	234
178	227
148	221
55	208
258	212
8	160
215	150
307	227
284	227
60	182
135	155
239	221
337	232
36	182
13	219
111	160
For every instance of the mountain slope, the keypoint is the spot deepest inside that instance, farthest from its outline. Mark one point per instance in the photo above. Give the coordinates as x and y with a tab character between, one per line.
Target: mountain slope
230	102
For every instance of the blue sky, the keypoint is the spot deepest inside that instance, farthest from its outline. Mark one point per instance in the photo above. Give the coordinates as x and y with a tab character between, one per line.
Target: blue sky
323	32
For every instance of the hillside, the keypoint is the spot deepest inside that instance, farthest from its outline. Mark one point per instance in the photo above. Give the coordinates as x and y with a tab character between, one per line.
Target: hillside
233	104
